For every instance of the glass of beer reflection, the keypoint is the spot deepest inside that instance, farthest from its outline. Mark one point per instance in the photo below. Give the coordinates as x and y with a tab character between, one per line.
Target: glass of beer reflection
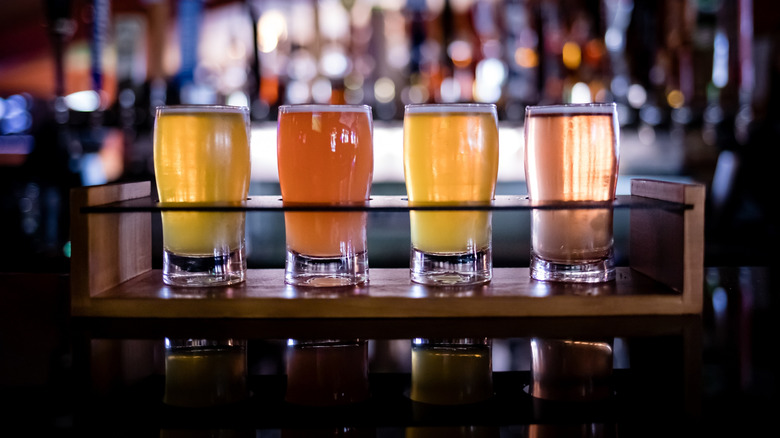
450	158
451	371
205	372
571	154
327	372
571	369
325	156
201	157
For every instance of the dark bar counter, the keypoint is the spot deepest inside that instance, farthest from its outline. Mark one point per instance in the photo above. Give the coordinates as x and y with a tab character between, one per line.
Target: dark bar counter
711	374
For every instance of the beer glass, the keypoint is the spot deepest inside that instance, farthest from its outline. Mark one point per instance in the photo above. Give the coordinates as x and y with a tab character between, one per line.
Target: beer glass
450	157
571	154
201	157
325	155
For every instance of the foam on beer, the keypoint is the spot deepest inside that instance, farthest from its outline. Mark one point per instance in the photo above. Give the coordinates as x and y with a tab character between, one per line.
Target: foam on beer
323	108
587	108
450	108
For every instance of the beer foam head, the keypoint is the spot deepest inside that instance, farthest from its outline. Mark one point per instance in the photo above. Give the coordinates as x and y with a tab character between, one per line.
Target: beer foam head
437	108
191	109
571	109
324	108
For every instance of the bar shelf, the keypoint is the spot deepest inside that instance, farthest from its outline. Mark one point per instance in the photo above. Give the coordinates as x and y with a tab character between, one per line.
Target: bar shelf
112	275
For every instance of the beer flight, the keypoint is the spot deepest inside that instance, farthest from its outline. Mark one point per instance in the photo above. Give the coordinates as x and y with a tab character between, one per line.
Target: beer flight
325	155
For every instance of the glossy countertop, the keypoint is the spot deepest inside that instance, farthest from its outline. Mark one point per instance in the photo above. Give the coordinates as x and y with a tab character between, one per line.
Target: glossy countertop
699	375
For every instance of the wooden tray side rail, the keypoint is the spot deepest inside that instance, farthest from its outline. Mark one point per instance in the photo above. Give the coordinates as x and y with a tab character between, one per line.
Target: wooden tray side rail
107	249
112	275
669	245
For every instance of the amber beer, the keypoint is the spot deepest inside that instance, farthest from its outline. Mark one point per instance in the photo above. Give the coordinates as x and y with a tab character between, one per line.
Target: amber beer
450	158
325	156
201	158
571	154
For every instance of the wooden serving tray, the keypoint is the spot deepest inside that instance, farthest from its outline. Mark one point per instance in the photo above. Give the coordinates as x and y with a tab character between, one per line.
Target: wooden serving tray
112	275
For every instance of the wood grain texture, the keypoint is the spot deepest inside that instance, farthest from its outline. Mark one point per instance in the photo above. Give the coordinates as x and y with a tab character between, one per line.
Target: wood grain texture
109	249
669	245
389	294
112	277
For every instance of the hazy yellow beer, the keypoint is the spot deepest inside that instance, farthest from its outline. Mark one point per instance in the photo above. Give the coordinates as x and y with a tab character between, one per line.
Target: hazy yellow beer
571	154
201	157
450	157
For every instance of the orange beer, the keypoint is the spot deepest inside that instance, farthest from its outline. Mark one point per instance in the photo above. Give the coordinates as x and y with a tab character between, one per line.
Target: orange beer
571	154
325	155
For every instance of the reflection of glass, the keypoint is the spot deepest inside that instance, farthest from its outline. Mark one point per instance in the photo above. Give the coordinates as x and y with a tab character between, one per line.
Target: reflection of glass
343	432
585	430
206	433
201	155
571	154
201	372
450	157
571	370
325	155
453	432
327	372
451	372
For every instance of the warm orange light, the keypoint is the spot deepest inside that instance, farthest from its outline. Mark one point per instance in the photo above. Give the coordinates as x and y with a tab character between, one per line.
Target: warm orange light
526	57
269	89
675	99
594	51
572	55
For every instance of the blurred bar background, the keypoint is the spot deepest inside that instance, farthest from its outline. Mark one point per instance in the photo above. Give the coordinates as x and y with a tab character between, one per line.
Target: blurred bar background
694	80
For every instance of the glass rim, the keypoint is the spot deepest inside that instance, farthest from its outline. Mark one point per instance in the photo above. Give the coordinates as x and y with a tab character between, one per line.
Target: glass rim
200	108
432	108
572	108
323	108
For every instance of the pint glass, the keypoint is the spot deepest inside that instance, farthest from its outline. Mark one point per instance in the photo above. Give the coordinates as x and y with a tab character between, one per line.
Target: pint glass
325	156
450	157
571	154
201	157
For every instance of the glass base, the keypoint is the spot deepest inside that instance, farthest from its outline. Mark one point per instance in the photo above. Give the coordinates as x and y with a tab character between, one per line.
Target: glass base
459	269
348	270
204	271
596	271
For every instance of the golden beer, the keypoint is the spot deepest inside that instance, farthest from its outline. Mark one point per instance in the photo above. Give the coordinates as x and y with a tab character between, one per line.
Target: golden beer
450	157
571	154
201	157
